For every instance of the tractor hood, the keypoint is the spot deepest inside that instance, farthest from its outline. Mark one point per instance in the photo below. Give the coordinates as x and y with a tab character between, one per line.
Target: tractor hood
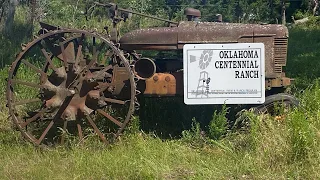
169	38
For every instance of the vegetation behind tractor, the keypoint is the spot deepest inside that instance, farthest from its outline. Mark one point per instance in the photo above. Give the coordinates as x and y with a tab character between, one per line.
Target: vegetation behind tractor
81	76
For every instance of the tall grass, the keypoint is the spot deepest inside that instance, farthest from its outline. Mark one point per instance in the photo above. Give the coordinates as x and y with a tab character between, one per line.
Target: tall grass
204	147
269	149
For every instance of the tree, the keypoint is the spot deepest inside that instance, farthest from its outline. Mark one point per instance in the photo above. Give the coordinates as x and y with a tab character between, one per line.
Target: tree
2	9
315	6
283	11
10	16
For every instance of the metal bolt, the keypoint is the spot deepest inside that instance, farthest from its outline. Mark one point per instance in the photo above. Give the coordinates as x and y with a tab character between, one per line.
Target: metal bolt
155	78
67	115
72	91
110	89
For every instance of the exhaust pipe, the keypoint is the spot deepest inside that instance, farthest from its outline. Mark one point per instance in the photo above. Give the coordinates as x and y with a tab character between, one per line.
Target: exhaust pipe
144	68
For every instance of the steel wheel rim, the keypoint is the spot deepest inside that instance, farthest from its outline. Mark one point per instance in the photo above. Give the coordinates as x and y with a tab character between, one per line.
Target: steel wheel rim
17	62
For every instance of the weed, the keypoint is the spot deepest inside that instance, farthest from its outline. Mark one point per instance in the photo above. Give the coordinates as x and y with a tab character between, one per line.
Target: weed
194	136
218	124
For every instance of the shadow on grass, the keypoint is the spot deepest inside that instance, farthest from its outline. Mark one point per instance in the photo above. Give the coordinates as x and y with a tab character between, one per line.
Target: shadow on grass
169	116
10	43
303	55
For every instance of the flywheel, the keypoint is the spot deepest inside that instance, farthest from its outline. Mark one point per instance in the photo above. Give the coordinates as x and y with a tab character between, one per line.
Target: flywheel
68	83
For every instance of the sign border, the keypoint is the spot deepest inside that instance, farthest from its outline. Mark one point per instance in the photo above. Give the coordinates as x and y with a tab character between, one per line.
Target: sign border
228	100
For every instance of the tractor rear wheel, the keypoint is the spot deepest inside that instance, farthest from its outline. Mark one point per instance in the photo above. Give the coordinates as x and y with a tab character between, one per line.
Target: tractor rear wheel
276	104
70	82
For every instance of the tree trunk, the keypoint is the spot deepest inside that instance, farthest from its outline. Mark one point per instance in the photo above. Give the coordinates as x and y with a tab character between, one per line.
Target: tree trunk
283	11
33	4
315	7
10	17
2	9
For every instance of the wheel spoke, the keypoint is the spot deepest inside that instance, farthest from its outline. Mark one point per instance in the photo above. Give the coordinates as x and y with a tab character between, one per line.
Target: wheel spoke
64	56
80	133
116	101
94	48
33	67
105	69
55	118
69	52
100	74
45	133
96	129
110	117
30	84
79	52
94	52
35	117
68	62
27	101
48	59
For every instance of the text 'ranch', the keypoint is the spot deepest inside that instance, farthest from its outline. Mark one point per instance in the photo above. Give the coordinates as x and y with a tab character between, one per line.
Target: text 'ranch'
246	64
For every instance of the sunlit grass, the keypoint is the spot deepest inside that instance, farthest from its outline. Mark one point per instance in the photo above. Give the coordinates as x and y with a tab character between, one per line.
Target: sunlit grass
269	149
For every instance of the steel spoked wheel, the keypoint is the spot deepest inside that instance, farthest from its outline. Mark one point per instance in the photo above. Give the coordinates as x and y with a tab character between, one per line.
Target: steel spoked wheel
70	82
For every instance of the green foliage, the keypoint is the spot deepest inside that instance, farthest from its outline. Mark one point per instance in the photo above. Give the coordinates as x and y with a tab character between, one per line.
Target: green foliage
218	124
193	136
303	54
10	43
299	14
264	148
134	125
301	136
251	124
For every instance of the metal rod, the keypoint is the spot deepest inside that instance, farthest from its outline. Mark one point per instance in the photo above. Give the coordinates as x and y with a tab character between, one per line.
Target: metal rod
45	132
95	128
110	117
27	101
137	13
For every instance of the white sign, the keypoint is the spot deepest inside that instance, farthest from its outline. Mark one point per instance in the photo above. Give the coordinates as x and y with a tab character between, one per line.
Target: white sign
224	73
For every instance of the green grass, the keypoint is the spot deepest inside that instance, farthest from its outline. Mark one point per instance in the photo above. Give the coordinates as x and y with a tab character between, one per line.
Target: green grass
270	149
200	147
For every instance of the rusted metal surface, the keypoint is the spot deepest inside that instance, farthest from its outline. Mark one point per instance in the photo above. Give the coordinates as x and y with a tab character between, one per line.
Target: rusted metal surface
218	17
277	82
273	36
74	89
198	32
280	54
161	84
192	14
179	80
163	38
144	68
83	81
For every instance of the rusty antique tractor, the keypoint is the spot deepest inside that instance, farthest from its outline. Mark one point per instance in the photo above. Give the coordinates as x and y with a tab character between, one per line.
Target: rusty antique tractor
82	80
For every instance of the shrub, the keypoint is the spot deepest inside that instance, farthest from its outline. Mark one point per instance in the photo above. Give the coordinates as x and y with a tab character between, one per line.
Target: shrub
218	123
193	136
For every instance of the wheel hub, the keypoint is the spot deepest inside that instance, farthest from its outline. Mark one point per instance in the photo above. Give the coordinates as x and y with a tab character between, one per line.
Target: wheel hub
79	86
82	77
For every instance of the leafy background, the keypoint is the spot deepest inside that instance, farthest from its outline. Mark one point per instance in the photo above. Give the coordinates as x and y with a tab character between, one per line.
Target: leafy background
167	139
